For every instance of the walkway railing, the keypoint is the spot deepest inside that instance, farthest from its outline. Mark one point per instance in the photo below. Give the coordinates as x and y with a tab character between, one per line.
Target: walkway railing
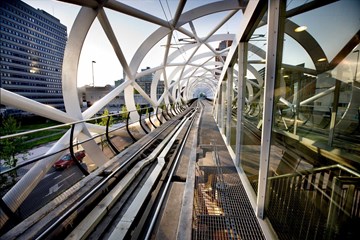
318	202
148	119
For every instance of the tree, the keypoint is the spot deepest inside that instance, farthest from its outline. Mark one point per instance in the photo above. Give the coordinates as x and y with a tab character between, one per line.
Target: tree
124	112
105	117
138	107
103	122
9	147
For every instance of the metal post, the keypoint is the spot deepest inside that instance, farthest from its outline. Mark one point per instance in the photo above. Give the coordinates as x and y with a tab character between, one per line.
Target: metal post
93	78
140	122
157	115
149	112
229	90
72	154
334	112
127	127
108	137
276	12
242	64
222	107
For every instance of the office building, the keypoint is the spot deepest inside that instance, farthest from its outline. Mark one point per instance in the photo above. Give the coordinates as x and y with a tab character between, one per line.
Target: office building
32	50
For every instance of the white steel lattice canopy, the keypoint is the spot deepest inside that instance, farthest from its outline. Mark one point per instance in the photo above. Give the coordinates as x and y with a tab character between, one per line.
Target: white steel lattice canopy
190	64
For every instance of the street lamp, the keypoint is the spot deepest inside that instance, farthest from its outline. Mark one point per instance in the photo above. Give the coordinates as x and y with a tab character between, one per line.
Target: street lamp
92	64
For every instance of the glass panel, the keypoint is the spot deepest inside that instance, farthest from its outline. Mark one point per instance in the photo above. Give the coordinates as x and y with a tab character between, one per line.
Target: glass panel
251	127
233	110
314	162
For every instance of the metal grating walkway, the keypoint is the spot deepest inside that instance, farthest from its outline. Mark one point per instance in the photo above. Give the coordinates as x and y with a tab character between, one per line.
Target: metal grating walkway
222	209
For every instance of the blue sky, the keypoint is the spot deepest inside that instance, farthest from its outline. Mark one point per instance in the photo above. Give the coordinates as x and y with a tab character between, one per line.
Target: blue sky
130	32
341	19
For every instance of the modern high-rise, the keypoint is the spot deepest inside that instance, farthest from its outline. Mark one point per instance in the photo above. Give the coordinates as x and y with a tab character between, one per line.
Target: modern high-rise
31	52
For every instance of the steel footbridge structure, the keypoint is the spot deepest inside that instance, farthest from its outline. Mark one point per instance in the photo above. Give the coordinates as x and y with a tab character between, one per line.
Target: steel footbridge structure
255	136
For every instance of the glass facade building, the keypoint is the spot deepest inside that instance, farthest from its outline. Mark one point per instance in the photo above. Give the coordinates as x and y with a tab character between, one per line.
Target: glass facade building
32	51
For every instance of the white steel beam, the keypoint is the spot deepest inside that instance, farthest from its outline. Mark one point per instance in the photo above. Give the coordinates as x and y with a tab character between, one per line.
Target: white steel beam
242	64
229	91
276	11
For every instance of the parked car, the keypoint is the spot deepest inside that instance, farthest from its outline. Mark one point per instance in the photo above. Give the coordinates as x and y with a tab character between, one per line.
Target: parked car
67	161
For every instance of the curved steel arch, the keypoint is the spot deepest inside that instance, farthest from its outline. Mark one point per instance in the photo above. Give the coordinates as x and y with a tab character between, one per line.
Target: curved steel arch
89	11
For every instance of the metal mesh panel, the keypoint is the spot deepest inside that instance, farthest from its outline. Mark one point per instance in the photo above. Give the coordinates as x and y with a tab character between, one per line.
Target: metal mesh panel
222	209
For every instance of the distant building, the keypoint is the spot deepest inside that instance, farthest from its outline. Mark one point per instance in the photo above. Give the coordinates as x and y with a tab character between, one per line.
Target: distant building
31	52
222	45
90	95
145	83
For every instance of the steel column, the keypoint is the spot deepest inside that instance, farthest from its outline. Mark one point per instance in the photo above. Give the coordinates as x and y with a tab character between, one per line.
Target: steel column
229	90
276	11
334	110
222	107
242	64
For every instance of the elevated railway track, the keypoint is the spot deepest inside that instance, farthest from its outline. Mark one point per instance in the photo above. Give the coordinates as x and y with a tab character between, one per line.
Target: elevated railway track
119	199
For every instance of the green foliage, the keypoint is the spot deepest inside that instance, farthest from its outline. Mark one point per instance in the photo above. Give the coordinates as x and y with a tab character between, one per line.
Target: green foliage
105	117
124	112
11	146
138	107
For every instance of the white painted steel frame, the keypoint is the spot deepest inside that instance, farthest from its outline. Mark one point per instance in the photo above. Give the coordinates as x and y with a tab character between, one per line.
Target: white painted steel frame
88	13
223	107
271	74
242	66
229	93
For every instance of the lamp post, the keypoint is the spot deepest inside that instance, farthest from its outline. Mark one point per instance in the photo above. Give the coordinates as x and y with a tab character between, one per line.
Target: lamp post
92	64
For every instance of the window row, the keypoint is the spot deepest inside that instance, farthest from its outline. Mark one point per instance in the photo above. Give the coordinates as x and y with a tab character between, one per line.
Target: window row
29	57
32	70
31	84
27	37
27	28
16	47
29	43
36	90
30	64
30	31
24	12
30	77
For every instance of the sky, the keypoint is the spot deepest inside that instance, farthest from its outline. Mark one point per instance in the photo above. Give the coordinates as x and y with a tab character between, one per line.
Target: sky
130	33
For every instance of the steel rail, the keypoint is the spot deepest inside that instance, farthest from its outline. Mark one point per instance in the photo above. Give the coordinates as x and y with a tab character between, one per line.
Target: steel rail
124	225
166	188
82	201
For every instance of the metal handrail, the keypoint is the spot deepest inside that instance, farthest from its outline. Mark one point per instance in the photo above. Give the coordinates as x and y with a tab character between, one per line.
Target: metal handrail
162	112
72	154
108	138
315	170
64	149
57	126
149	113
70	124
94	190
157	116
140	122
127	127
